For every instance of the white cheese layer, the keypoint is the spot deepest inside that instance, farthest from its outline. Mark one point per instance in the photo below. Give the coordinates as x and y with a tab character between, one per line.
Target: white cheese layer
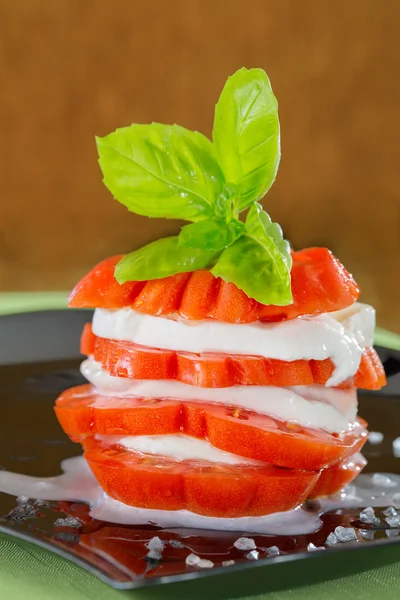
340	336
317	407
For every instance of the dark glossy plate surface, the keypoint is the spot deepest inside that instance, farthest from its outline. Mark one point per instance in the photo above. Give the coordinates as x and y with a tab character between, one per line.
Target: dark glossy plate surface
31	442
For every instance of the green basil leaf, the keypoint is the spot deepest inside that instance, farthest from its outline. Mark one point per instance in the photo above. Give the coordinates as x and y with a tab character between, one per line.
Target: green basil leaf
160	259
161	171
259	262
260	226
246	135
212	234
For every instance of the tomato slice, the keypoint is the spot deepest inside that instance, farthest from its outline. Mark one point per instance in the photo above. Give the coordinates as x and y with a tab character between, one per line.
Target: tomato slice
211	489
124	359
99	288
371	374
320	283
82	412
337	476
88	340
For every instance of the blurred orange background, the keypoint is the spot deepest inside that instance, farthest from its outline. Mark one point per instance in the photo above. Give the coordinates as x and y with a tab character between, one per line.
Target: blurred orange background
75	68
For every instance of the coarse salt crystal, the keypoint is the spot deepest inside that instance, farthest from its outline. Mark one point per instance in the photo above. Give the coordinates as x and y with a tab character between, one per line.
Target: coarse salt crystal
205	564
345	534
244	543
392	532
192	560
69	522
367	515
272	551
331	540
155	544
396	447
375	437
390	511
312	547
228	563
22	500
39	502
252	555
393	521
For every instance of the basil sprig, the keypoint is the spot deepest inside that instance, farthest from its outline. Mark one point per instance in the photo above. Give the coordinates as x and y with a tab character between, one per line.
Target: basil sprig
168	171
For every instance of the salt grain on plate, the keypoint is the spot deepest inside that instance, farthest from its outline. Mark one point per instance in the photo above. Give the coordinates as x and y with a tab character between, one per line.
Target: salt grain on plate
252	555
345	534
311	547
69	522
22	500
205	564
367	534
367	515
331	540
396	447
155	544
192	560
244	544
39	502
375	437
392	532
273	551
228	563
390	511
393	521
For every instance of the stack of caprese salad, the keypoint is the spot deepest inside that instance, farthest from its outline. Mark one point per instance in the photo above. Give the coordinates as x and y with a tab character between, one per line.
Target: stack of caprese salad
222	366
202	399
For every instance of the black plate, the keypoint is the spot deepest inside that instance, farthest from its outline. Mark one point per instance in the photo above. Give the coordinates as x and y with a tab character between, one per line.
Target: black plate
39	359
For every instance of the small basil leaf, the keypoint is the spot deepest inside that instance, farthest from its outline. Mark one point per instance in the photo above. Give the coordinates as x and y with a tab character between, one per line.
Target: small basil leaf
246	134
260	226
161	171
160	259
259	262
212	234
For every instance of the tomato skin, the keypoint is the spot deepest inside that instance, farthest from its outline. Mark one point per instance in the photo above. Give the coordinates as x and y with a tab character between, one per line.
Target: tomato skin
287	445
99	288
320	283
370	372
82	413
335	477
210	489
88	340
125	359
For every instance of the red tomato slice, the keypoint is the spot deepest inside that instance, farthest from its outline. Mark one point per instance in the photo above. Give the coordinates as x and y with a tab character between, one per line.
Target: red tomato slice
88	340
82	412
211	489
371	374
124	359
99	288
337	476
320	283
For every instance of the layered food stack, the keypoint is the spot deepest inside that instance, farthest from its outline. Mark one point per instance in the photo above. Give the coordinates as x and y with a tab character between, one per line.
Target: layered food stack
222	366
202	399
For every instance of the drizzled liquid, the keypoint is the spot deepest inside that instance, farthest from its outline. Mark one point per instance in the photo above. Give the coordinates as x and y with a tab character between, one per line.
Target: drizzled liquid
77	484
